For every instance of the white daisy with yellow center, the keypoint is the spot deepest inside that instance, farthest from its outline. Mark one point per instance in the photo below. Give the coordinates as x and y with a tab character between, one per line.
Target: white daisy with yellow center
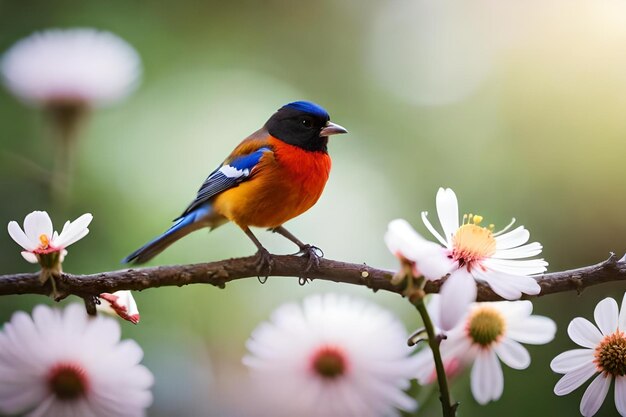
468	252
603	353
487	334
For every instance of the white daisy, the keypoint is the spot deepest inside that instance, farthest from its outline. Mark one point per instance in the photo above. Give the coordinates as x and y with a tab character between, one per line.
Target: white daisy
603	353
119	303
470	252
43	245
489	333
81	66
332	356
66	364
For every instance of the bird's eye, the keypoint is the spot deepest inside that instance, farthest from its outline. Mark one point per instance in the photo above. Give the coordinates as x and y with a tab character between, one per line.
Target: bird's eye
306	122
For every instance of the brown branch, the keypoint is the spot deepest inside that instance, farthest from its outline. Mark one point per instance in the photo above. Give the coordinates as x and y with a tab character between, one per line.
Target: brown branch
221	272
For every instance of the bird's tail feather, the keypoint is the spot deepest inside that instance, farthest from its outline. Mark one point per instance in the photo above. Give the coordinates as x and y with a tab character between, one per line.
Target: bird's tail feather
182	227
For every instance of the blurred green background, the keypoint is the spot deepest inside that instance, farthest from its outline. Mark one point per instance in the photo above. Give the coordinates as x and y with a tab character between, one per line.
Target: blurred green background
518	106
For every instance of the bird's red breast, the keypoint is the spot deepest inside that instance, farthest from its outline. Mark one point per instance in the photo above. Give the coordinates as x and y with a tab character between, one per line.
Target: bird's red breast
286	183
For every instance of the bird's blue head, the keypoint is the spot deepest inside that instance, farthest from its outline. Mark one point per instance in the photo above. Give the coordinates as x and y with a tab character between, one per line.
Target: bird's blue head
308	107
303	124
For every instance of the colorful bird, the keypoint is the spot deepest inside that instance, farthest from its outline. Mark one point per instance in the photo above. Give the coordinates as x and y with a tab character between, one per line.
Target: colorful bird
274	175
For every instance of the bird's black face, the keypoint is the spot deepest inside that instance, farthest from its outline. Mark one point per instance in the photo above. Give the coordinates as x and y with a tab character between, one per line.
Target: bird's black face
303	124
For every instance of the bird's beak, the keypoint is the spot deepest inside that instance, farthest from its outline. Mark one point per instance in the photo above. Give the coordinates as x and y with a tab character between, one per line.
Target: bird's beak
332	129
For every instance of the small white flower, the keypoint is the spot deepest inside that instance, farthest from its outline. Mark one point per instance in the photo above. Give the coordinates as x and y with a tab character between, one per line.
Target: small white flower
332	356
65	364
489	333
469	253
81	66
38	238
604	352
119	303
408	246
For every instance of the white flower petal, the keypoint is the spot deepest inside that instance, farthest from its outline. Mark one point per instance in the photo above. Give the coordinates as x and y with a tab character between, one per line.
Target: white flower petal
571	360
457	294
535	330
514	311
65	241
583	333
516	267
513	354
426	370
16	233
526	251
508	286
606	316
574	379
73	231
121	303
36	224
487	380
505	288
448	213
30	257
432	230
620	395
512	239
431	260
402	238
594	395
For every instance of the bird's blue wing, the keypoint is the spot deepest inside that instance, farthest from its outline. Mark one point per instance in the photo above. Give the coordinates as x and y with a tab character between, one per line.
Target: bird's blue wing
228	175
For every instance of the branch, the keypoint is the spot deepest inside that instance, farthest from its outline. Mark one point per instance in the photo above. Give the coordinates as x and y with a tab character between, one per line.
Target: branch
221	272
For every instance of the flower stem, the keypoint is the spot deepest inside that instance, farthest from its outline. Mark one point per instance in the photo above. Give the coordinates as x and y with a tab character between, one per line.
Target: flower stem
66	119
449	410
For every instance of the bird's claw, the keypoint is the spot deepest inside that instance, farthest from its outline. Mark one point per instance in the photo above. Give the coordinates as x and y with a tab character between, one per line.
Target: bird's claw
264	265
314	254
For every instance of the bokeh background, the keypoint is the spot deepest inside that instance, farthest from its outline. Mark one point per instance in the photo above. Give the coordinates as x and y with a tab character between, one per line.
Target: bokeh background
518	106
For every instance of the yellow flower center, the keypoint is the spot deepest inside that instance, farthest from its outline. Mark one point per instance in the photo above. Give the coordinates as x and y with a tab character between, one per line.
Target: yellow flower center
485	326
472	242
45	242
610	354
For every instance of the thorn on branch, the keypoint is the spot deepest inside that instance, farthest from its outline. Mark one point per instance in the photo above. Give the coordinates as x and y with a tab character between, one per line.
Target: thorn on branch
221	284
612	259
440	337
577	283
90	305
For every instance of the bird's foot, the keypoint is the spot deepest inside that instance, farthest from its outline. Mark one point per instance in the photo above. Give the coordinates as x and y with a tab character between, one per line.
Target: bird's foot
314	254
264	265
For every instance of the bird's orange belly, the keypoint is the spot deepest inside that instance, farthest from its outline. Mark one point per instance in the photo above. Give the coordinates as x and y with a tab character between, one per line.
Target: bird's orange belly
275	196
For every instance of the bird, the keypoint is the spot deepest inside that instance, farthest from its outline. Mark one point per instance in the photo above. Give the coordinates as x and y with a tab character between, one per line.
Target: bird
272	176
